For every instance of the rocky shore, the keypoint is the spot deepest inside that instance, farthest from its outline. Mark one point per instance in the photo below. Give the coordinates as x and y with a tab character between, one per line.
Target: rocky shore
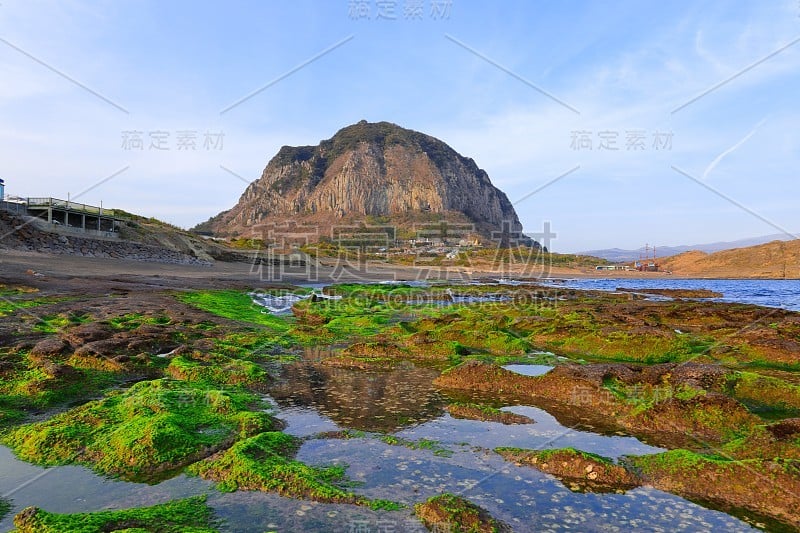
144	381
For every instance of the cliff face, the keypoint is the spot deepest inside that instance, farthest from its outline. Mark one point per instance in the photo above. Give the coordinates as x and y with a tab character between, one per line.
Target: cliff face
369	170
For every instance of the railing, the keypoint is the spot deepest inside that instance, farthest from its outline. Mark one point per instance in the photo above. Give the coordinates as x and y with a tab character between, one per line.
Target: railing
14	207
34	203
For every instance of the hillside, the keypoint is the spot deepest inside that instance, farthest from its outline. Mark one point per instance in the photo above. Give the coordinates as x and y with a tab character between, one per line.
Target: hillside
139	239
621	255
774	260
368	174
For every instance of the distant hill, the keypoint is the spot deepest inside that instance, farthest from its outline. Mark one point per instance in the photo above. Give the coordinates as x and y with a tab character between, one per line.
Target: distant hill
618	255
369	175
774	260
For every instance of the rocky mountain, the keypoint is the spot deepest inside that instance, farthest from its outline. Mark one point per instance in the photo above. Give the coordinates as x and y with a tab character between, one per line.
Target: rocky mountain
369	174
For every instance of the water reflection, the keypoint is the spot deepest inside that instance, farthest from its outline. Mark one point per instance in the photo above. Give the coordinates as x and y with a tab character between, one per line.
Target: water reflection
71	489
368	400
529	370
523	497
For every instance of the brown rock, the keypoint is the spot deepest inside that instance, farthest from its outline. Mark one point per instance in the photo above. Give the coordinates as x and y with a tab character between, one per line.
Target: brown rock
49	347
87	333
785	430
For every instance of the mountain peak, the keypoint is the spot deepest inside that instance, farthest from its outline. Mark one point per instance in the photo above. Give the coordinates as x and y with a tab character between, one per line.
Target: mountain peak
366	170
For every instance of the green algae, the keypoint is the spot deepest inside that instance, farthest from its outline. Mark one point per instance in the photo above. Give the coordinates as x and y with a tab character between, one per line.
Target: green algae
765	486
422	444
51	324
485	413
498	332
215	370
764	394
132	321
255	344
644	396
190	515
153	428
234	305
546	455
448	512
679	461
264	462
580	471
11	305
376	314
5	507
40	384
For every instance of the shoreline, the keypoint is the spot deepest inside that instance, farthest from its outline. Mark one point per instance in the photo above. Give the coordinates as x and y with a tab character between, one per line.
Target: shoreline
17	266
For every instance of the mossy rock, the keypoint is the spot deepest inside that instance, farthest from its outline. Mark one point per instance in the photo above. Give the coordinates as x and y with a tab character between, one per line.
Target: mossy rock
484	413
152	429
454	513
579	471
191	515
265	463
766	486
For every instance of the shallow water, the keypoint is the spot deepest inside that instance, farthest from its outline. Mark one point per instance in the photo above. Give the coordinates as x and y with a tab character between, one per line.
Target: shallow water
373	400
529	370
523	497
70	489
313	399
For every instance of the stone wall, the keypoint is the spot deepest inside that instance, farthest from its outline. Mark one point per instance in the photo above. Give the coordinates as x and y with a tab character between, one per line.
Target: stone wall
17	233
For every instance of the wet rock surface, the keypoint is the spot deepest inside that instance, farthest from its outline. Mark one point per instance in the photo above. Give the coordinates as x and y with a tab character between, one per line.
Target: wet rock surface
578	471
76	343
675	293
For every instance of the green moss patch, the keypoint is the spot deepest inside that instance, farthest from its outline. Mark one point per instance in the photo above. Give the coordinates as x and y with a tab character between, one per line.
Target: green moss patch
422	444
697	422
766	486
191	515
765	394
234	305
55	323
214	369
39	383
11	305
153	428
265	463
579	471
471	411
5	508
453	513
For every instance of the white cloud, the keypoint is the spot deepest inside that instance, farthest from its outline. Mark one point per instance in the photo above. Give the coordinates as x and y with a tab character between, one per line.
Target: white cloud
730	150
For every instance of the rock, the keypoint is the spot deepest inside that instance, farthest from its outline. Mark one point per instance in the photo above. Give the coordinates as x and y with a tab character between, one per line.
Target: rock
367	170
104	348
56	370
785	430
702	376
87	333
50	346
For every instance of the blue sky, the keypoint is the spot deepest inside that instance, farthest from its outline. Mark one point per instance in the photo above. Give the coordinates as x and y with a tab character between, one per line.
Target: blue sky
521	87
